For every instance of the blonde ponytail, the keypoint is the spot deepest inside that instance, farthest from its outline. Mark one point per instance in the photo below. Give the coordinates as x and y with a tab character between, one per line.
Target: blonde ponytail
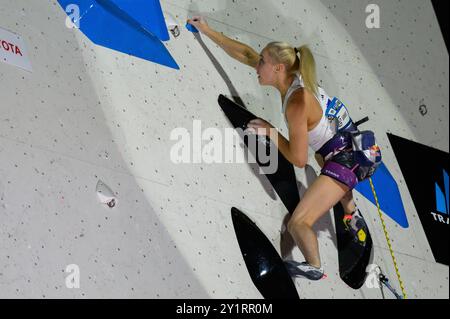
308	69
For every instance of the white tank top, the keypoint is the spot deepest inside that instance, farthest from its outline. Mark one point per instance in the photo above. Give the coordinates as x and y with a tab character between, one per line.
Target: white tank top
326	129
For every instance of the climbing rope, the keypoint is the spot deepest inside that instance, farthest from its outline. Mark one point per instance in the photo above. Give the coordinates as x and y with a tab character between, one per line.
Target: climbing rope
388	240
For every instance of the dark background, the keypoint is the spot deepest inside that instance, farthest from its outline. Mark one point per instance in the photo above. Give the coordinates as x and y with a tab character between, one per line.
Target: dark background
438	6
422	167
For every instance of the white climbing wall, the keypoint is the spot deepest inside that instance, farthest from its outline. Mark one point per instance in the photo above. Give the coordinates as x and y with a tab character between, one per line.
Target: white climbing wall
86	113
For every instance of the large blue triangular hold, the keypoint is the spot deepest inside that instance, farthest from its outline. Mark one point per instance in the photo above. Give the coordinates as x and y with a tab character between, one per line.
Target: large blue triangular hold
148	13
106	24
388	195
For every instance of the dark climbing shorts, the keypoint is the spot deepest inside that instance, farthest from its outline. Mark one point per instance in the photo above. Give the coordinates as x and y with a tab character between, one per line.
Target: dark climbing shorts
340	163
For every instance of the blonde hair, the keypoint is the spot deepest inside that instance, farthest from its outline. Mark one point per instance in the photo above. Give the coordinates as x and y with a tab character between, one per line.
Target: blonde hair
284	53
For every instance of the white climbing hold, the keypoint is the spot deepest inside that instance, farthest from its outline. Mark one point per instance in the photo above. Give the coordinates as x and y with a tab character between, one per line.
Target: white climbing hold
106	195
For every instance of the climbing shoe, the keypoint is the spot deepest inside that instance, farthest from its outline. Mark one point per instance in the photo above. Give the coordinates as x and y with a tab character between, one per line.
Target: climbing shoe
304	270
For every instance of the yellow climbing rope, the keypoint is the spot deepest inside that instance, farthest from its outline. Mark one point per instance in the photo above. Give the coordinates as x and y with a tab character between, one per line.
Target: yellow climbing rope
388	240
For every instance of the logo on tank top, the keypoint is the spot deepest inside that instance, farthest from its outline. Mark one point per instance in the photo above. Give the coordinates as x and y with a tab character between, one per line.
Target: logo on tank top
337	111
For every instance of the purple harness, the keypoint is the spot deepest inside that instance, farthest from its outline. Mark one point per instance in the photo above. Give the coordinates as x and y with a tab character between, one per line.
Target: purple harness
340	170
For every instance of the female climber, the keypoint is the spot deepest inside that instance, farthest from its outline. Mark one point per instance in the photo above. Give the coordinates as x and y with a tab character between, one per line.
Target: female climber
311	117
